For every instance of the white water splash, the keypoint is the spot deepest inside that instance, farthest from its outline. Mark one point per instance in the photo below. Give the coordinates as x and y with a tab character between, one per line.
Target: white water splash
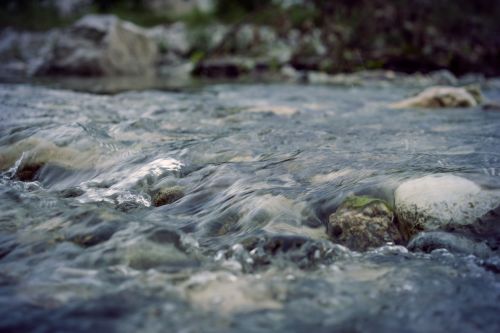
123	191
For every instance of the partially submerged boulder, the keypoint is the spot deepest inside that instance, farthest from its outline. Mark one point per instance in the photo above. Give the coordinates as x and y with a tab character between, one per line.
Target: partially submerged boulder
439	202
25	159
100	45
361	223
441	97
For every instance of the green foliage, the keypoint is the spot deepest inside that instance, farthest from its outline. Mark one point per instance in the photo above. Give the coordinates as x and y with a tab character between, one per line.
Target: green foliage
234	10
197	56
412	35
132	11
301	15
198	18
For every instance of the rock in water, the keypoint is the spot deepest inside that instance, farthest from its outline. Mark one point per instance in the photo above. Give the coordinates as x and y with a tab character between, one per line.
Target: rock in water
432	240
440	201
361	223
167	195
100	45
440	97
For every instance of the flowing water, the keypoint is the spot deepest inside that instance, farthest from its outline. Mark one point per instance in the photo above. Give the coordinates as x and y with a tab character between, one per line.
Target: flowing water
249	175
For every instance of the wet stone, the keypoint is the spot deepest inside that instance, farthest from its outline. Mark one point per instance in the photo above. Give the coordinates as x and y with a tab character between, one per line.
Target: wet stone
441	202
491	106
361	223
128	206
72	192
28	172
264	250
144	254
484	229
442	97
166	236
433	240
94	236
166	196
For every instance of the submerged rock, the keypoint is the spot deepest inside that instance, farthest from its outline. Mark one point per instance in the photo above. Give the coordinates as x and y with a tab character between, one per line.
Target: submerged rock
25	159
491	106
144	254
429	241
441	97
100	45
361	223
167	195
439	201
93	235
484	229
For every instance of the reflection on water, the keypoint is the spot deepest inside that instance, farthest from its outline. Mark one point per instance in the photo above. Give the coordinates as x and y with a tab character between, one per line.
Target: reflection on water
243	179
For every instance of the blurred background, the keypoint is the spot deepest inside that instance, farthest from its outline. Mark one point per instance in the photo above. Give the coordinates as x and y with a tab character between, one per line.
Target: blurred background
229	38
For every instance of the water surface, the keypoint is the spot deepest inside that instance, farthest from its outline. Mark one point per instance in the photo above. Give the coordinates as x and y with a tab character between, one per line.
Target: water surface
257	170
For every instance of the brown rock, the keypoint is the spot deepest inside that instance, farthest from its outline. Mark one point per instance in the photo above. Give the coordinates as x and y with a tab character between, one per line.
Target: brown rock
361	223
165	196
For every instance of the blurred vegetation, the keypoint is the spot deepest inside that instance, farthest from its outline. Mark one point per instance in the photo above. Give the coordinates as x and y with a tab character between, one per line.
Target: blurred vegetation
31	15
411	35
461	35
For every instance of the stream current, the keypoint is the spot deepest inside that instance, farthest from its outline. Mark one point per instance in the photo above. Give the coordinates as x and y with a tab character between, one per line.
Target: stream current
249	175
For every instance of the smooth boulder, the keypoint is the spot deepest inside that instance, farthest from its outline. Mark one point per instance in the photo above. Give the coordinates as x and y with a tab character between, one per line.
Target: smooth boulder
440	201
441	97
100	45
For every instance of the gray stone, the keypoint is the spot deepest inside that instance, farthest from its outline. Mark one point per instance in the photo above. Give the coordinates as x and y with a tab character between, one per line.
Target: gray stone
144	254
100	45
439	97
491	106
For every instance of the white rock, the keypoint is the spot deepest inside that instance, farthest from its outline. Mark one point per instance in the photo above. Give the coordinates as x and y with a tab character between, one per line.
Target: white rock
433	201
438	97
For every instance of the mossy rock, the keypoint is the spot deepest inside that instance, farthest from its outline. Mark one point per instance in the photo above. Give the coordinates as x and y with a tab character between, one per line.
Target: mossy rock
362	223
166	196
356	202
